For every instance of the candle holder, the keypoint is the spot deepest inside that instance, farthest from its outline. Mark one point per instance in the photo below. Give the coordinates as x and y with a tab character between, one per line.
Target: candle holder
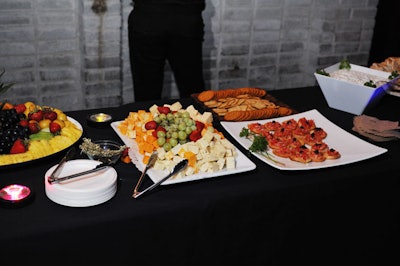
99	120
15	195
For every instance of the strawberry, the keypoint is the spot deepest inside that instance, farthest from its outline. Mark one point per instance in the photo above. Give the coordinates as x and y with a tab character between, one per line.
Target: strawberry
54	127
18	147
199	126
23	122
50	114
33	126
163	109
36	115
150	125
195	135
20	108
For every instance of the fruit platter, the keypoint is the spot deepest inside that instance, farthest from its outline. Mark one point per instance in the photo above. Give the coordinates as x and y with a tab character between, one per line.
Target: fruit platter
176	133
29	132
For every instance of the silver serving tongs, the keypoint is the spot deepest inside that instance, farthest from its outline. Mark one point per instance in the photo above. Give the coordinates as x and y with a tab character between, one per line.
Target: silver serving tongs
96	169
54	178
179	167
150	163
68	156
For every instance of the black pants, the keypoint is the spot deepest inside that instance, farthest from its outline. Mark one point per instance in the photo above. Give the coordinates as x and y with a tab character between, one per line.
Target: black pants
155	37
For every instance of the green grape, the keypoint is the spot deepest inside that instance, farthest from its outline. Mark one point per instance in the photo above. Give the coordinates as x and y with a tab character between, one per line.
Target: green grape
182	126
167	146
168	135
182	135
174	135
157	119
173	142
161	141
163	117
189	122
183	141
193	127
164	123
186	114
188	130
170	117
160	134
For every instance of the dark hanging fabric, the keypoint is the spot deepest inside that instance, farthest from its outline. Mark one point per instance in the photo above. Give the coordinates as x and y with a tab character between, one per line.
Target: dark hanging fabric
385	40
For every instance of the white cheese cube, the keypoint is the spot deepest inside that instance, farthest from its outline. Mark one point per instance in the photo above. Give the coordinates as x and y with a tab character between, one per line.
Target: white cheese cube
189	171
227	144
207	118
176	106
176	149
176	159
205	166
192	111
153	109
169	155
218	150
230	163
160	165
208	135
202	143
161	153
221	163
213	167
192	147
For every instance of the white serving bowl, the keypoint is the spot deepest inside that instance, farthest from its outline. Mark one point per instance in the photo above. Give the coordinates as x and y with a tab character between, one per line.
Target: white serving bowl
351	97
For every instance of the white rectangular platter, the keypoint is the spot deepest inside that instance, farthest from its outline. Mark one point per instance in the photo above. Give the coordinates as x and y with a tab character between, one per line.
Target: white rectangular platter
351	148
243	164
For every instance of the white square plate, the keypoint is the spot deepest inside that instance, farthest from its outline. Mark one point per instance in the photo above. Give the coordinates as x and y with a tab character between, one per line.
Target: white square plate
243	164
351	148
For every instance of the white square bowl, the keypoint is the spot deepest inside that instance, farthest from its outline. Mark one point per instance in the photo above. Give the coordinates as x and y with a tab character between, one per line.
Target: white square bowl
351	97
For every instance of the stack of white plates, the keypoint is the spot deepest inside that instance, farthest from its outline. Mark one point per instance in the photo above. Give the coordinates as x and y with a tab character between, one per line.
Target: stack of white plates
88	190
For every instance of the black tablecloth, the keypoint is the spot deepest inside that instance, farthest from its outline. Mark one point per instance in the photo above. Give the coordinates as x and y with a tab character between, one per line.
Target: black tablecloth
342	215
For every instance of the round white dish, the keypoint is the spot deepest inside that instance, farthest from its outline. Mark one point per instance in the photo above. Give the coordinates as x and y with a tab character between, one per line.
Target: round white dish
88	190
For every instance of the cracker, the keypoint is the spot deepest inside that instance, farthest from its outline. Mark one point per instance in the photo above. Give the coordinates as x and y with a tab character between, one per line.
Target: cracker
206	95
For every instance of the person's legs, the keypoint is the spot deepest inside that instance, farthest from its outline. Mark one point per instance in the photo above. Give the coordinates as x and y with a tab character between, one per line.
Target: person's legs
147	58
185	55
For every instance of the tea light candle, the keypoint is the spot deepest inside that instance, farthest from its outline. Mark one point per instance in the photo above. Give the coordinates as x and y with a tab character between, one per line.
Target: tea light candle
99	119
15	195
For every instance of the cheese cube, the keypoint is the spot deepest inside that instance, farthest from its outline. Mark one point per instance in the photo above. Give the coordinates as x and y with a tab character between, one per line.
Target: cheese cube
208	136
161	153
221	163
153	109
202	143
213	167
207	118
176	106
192	148
161	165
169	155
175	150
192	111
230	163
189	171
218	150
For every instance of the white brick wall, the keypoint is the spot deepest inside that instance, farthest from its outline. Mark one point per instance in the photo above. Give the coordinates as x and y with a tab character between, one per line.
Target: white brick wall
60	53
